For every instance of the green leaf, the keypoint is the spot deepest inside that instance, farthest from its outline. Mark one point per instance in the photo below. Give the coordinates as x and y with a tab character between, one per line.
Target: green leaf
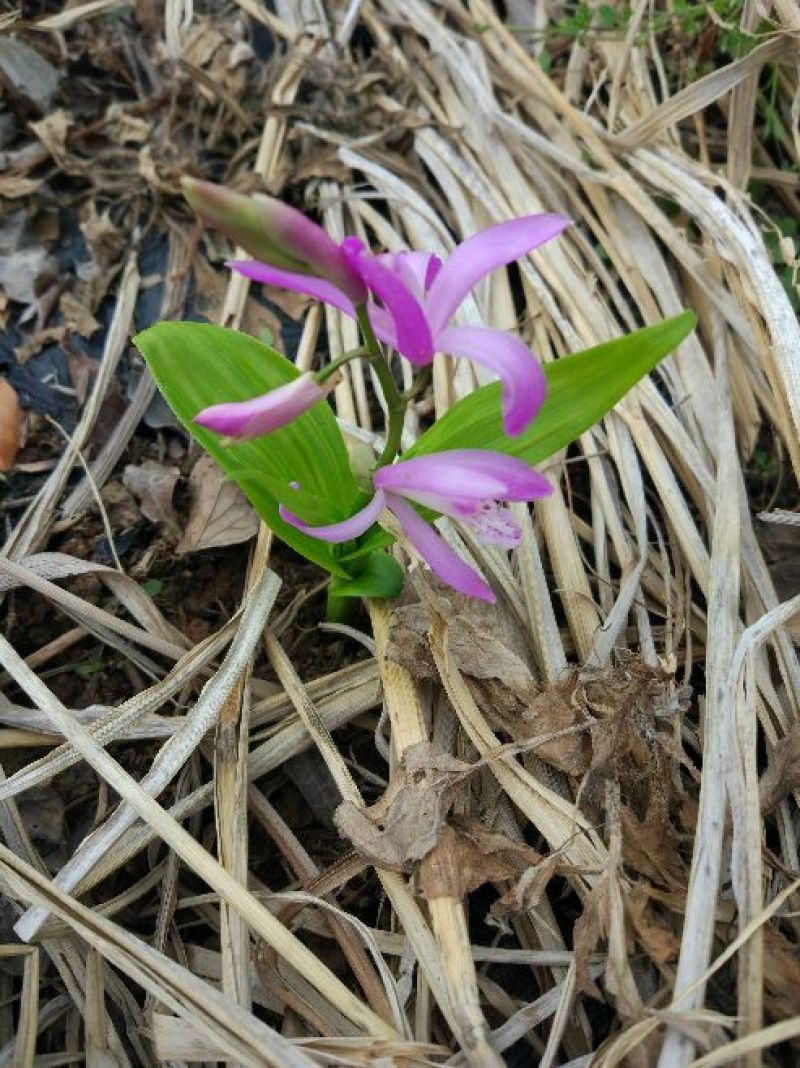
382	577
197	365
580	390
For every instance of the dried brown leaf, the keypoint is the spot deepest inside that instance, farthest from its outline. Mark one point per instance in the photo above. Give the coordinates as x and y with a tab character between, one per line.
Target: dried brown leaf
294	305
103	239
82	369
468	855
52	132
34	343
13	186
482	645
781	975
551	713
406	823
203	42
219	513
78	317
456	866
153	484
589	929
650	846
106	246
660	942
123	128
783	771
528	890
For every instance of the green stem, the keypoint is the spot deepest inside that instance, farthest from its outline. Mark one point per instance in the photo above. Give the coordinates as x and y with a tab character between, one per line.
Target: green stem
340	609
340	361
419	384
395	402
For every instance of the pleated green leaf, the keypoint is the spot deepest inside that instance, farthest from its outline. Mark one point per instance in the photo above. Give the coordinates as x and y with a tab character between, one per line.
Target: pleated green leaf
580	390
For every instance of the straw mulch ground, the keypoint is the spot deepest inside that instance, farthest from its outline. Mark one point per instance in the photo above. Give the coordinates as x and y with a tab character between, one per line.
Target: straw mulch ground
563	831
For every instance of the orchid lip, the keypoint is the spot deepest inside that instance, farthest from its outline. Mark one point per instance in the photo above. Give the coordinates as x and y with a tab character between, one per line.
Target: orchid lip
438	555
467	484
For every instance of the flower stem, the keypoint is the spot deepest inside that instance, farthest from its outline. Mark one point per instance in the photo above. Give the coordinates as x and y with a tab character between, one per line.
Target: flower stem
419	384
395	403
332	367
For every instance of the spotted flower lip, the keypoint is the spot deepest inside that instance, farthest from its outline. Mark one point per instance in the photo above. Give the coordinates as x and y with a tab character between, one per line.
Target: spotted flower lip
240	420
276	233
420	294
467	484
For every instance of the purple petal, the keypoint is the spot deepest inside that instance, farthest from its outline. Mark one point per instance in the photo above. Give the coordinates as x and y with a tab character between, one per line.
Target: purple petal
416	270
523	380
438	555
318	288
344	531
438	482
414	340
461	475
483	253
382	324
261	415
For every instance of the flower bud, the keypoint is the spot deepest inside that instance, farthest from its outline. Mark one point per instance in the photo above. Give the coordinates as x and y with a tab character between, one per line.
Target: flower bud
274	233
240	420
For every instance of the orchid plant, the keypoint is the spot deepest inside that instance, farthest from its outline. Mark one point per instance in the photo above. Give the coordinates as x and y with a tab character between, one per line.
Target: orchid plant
272	432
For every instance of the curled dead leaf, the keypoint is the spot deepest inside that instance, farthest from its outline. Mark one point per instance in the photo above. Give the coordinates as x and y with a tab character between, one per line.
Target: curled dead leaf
77	315
482	644
124	128
589	929
13	186
9	425
52	132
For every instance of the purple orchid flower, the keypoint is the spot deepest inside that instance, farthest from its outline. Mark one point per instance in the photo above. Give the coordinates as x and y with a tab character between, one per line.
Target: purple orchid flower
239	420
467	484
420	296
